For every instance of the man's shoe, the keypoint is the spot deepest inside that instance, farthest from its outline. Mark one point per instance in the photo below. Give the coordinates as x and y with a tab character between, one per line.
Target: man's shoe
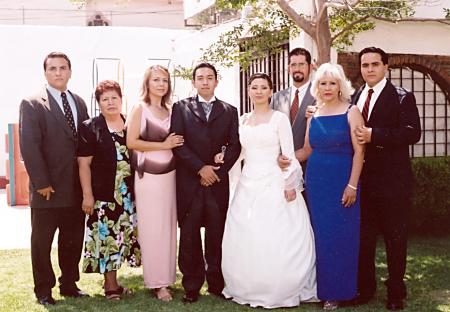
217	294
46	300
74	293
190	297
395	305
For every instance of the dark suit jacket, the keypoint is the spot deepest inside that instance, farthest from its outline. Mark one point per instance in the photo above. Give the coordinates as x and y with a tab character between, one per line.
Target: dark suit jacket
49	149
202	140
395	125
281	101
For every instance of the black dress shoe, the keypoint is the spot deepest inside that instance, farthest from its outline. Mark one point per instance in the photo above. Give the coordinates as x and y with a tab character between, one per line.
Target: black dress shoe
74	293
395	305
46	300
190	297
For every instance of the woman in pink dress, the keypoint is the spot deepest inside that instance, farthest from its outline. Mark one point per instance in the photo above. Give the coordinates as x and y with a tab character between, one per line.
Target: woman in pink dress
148	136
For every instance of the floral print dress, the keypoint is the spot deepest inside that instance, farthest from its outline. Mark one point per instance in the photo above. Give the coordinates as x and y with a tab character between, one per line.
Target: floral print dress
111	231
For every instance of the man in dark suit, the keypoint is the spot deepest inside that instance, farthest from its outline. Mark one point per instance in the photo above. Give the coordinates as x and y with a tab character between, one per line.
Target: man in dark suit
295	100
208	126
391	124
48	143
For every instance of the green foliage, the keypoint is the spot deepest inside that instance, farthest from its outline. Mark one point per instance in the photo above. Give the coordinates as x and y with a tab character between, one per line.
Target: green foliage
259	34
447	13
261	30
431	201
183	72
356	20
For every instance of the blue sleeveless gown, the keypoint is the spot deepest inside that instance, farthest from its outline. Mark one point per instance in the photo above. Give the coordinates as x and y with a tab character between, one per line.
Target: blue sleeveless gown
336	228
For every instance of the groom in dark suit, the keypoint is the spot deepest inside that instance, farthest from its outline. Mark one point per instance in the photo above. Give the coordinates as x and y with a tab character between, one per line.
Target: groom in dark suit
391	124
48	143
209	126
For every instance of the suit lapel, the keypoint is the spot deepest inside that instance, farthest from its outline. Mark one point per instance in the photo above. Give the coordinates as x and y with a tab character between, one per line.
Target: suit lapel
380	105
52	106
197	108
216	111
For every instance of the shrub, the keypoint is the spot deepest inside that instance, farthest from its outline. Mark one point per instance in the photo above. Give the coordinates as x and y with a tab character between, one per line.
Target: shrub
431	200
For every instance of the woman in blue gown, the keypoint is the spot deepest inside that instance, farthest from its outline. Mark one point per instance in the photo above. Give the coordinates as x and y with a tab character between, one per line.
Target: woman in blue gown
335	160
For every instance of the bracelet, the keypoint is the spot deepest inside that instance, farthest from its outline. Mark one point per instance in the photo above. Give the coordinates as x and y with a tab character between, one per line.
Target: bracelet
352	187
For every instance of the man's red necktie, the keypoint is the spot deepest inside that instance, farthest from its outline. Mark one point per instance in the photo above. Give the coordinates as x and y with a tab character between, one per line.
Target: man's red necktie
294	107
365	111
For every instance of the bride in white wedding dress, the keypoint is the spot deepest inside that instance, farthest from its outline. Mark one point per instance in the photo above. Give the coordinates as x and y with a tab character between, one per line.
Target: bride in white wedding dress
268	255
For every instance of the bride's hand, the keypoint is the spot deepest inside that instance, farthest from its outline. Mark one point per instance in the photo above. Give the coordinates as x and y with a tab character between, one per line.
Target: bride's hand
290	195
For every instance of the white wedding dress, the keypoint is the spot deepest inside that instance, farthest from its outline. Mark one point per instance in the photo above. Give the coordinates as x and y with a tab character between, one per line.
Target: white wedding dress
268	255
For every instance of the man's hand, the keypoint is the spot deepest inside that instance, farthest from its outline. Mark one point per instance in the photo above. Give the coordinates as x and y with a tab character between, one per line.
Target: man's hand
46	192
363	134
88	204
208	175
310	110
283	162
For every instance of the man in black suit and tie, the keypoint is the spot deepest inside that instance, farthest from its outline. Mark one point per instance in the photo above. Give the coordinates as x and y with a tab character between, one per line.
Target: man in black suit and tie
295	100
209	126
391	124
48	143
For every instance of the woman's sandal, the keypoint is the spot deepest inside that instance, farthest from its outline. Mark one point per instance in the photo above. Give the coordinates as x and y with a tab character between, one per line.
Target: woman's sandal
163	294
117	294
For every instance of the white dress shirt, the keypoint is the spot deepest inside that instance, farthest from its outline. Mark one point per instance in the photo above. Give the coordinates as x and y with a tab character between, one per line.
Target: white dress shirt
301	93
56	94
376	93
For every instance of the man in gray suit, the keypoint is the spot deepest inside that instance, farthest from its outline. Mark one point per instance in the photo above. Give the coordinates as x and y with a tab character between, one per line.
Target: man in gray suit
294	100
48	142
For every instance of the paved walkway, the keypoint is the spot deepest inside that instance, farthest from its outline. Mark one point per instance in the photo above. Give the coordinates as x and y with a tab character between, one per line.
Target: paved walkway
15	226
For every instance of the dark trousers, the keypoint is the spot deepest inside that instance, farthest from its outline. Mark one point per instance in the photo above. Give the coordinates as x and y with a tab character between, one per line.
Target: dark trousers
388	216
44	222
204	212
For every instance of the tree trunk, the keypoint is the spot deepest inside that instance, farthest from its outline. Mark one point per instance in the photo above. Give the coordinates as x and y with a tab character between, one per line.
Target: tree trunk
323	38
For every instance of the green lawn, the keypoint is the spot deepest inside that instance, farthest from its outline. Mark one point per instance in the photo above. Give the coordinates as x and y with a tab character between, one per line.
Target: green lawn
428	281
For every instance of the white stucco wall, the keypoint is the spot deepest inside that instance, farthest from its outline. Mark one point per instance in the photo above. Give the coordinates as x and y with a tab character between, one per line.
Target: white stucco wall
408	37
25	47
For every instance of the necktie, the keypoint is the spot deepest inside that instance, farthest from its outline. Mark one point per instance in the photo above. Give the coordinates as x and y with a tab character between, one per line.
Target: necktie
207	107
294	107
365	111
68	114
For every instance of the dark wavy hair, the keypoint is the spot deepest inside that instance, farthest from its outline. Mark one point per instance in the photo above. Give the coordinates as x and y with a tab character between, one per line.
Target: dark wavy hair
300	51
204	65
261	76
56	55
107	85
384	55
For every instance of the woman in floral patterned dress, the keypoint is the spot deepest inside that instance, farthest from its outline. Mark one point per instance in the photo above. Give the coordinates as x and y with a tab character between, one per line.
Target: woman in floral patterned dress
107	183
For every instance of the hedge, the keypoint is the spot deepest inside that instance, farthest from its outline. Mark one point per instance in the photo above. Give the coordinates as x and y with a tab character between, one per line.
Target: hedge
431	200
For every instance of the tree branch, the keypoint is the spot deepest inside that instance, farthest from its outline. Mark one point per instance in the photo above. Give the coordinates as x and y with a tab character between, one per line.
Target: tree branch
348	27
413	19
299	20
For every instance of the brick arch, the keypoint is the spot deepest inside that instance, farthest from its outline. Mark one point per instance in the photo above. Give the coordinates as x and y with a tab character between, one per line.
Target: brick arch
436	66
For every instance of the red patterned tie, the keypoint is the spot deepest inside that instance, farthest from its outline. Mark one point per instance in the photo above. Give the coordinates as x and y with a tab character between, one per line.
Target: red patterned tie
365	111
294	107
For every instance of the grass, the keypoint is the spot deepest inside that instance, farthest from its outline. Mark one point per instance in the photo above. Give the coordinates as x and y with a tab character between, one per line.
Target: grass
427	278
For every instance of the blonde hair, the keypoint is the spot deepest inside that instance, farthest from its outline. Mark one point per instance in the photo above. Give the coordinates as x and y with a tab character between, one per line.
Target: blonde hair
334	71
145	90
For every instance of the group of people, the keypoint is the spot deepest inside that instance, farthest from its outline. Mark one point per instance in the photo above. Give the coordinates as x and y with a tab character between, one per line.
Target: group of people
275	244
